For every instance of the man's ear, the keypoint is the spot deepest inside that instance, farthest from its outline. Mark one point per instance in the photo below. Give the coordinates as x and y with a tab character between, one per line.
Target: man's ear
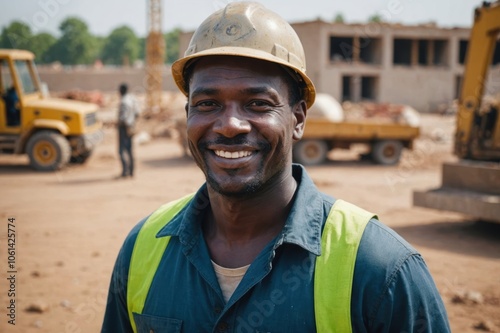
299	113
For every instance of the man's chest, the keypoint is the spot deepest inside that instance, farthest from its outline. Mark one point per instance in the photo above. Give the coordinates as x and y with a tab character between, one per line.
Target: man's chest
273	296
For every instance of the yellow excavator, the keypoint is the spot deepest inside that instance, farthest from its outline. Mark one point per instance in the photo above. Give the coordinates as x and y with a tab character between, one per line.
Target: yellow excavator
471	186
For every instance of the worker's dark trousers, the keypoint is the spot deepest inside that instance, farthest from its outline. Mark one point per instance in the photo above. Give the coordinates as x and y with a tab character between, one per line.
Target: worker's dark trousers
125	150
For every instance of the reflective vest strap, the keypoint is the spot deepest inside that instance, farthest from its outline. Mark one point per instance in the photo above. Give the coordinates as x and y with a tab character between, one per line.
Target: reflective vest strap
334	270
146	255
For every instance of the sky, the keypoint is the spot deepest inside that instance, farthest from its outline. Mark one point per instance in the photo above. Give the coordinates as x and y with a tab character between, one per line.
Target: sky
102	16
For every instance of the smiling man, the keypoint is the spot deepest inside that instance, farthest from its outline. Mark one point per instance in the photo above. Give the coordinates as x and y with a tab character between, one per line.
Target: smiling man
258	248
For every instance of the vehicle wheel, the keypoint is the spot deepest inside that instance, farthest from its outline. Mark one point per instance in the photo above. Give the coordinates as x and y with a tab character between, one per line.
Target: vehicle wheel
48	151
80	159
387	152
310	152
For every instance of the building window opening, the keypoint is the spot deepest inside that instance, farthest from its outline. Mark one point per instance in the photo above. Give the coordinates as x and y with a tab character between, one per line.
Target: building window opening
496	54
346	88
440	55
462	50
369	88
341	48
423	54
402	52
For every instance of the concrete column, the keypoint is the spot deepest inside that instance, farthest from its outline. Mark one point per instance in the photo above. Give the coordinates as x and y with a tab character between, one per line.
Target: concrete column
322	59
355	49
387	49
453	48
430	52
414	52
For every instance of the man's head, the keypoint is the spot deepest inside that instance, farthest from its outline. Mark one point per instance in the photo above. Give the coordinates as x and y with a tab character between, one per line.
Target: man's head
244	75
123	88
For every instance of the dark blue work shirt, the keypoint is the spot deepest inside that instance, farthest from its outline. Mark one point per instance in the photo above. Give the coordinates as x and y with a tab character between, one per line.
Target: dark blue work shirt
392	288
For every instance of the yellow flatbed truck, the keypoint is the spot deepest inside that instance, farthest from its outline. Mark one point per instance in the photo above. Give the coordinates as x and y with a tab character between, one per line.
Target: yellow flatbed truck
385	141
52	132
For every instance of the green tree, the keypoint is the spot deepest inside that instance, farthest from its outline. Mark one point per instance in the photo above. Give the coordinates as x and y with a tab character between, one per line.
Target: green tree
172	45
76	45
142	48
375	18
16	36
99	43
41	44
121	47
339	18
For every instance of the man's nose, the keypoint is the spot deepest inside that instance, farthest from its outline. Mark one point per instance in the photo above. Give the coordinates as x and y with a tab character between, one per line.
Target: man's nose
232	122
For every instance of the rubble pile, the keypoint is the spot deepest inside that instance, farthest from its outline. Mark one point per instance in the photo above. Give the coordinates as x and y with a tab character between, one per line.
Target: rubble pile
489	102
381	113
451	108
95	96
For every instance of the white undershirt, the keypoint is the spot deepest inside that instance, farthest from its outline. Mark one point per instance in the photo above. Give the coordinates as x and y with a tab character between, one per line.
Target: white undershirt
229	278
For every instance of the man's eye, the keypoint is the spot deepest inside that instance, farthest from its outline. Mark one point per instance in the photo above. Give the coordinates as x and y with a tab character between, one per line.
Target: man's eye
205	106
260	105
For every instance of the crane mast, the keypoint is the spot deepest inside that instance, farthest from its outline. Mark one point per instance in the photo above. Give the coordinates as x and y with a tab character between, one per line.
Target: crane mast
155	55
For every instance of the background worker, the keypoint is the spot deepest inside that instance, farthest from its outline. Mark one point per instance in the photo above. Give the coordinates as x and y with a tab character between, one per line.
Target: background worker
128	113
258	247
11	100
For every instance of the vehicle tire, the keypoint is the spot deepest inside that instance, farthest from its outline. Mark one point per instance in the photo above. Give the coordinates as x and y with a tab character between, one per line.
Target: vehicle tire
387	152
80	159
310	152
48	151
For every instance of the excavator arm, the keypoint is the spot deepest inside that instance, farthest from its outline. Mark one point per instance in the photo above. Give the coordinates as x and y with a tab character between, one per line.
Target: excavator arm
471	185
478	133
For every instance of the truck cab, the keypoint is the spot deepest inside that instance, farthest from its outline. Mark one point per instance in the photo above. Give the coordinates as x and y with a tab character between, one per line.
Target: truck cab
52	132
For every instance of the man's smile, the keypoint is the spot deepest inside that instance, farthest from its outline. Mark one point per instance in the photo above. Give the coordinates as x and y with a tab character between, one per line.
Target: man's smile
232	155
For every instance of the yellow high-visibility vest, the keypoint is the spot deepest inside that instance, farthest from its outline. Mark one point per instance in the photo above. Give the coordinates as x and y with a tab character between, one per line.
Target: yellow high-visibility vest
333	276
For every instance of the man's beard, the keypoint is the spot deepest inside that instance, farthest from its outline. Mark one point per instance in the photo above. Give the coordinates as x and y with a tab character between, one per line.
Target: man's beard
251	187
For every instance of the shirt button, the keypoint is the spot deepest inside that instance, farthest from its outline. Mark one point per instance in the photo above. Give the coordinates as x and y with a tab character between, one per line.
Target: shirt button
222	327
151	331
217	310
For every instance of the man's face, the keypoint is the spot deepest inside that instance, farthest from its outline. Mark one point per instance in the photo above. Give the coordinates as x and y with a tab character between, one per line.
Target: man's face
240	124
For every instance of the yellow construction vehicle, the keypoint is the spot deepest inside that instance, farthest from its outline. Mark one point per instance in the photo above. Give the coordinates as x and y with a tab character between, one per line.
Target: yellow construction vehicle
472	185
53	132
385	142
327	130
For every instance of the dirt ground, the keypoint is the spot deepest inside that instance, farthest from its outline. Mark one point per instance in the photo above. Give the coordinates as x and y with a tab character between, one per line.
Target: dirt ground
70	226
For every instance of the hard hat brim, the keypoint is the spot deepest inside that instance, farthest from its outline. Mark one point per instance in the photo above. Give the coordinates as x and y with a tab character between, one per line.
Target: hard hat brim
178	67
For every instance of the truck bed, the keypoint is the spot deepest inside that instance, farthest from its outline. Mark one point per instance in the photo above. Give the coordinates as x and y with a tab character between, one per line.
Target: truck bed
385	141
359	131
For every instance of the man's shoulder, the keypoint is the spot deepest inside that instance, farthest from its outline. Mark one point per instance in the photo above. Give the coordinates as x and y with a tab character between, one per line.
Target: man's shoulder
161	215
383	257
392	284
382	248
128	243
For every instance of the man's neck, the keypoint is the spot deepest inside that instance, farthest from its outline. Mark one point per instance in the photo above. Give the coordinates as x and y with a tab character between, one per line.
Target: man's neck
242	227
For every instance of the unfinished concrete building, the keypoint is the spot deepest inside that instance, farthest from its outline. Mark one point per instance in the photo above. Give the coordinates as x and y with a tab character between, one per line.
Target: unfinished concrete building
419	65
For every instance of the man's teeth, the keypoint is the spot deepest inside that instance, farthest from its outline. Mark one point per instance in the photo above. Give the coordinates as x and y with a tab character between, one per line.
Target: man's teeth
234	154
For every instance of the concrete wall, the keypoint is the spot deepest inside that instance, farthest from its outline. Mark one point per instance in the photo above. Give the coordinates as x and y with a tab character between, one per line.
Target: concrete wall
424	89
105	79
313	48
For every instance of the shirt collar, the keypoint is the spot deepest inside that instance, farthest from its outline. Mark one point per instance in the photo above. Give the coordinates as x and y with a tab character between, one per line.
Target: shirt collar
303	225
